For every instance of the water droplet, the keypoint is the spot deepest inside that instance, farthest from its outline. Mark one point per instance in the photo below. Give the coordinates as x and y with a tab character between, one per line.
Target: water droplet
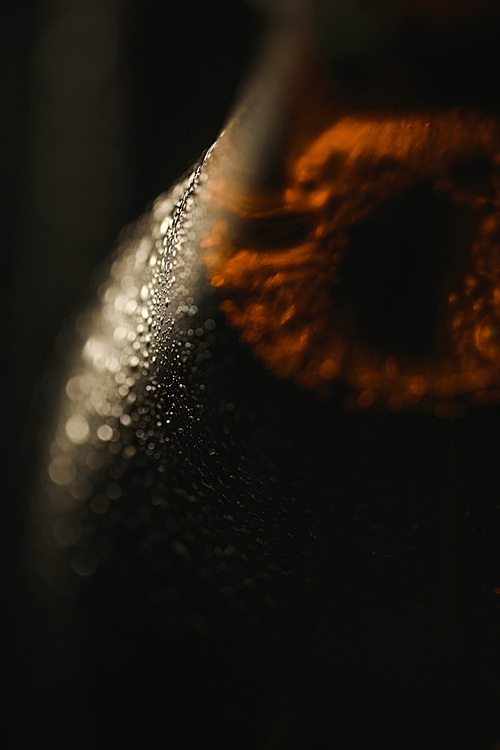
77	429
62	470
99	504
84	563
105	432
113	491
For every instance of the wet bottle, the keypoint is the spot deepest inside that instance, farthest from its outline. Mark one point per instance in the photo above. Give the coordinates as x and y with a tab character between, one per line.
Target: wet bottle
262	522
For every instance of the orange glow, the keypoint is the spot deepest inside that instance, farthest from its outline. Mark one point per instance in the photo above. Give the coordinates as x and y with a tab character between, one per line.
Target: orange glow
276	255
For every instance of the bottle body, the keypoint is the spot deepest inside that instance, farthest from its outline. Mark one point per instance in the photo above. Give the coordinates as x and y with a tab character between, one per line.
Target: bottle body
235	548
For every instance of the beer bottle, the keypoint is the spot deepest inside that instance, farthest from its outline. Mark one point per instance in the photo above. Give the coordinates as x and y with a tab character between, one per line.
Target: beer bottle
265	519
